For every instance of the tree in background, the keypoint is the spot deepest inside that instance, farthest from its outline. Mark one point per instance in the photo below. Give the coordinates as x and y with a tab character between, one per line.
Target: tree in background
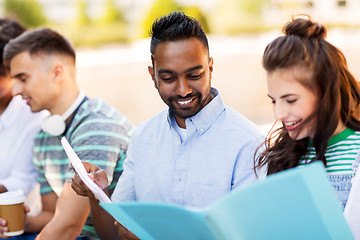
91	31
82	18
195	12
236	16
164	7
28	12
112	13
158	9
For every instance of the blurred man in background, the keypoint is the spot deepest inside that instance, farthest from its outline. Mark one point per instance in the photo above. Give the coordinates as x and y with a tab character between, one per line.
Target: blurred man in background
42	63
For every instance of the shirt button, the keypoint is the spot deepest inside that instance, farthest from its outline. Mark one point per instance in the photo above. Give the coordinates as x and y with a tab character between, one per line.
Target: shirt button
178	143
201	130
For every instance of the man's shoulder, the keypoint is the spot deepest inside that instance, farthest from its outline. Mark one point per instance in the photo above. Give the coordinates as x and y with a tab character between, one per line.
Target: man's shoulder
153	124
239	124
96	113
96	108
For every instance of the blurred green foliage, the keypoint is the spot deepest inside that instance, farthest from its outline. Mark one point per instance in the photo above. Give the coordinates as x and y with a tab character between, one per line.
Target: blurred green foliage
158	9
254	7
94	35
84	31
28	12
195	12
238	16
229	17
164	7
82	19
111	13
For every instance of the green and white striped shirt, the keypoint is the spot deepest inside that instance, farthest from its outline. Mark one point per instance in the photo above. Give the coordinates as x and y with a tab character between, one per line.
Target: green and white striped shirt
98	134
340	154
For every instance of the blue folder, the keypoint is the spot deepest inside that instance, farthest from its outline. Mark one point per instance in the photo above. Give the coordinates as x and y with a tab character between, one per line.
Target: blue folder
294	204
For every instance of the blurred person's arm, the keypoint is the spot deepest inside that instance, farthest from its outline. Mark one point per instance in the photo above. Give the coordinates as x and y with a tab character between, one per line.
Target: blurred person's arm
22	173
69	218
22	176
34	224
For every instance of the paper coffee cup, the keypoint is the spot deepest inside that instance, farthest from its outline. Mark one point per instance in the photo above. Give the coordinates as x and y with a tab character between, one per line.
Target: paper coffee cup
12	210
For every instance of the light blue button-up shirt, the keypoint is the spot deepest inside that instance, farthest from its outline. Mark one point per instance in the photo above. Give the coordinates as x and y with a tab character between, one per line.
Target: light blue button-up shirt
216	157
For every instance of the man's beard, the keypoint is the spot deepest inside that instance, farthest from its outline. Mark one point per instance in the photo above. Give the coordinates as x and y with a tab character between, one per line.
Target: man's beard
189	112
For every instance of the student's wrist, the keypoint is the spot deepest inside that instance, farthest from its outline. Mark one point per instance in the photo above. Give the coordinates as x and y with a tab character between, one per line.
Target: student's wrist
93	199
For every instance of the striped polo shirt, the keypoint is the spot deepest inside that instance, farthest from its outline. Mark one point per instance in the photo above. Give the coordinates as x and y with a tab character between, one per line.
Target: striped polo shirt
340	154
98	134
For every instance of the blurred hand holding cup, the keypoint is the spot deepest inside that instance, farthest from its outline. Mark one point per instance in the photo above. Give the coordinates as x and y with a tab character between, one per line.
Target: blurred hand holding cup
12	210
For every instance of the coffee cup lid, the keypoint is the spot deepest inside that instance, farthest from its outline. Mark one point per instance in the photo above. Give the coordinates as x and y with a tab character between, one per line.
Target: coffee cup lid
12	197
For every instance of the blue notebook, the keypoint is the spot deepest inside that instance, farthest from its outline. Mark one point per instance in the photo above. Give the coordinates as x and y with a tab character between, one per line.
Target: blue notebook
294	204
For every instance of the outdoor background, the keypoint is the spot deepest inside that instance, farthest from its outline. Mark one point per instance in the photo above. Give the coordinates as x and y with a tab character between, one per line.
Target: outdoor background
111	38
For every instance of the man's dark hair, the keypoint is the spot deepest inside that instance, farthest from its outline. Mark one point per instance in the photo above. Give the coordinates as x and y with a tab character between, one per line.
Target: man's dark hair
176	26
39	41
9	29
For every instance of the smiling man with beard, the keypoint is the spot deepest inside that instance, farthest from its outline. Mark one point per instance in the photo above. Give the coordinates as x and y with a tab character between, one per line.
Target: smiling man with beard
192	153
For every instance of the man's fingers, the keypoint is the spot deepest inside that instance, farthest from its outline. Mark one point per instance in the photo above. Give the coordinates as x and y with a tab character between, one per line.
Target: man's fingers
100	178
90	167
78	186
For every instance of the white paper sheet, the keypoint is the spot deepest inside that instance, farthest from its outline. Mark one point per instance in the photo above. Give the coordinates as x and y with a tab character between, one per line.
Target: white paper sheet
80	169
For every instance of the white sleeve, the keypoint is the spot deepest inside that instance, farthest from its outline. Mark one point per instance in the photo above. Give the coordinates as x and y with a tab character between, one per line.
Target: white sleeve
23	173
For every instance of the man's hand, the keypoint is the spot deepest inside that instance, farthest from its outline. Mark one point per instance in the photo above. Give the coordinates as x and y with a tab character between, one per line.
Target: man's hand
96	174
124	234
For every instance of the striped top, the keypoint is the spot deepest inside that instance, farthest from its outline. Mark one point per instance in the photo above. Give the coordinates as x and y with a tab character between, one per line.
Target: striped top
98	134
340	154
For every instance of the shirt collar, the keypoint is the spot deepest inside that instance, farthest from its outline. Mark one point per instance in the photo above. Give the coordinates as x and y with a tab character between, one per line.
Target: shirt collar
203	119
337	138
